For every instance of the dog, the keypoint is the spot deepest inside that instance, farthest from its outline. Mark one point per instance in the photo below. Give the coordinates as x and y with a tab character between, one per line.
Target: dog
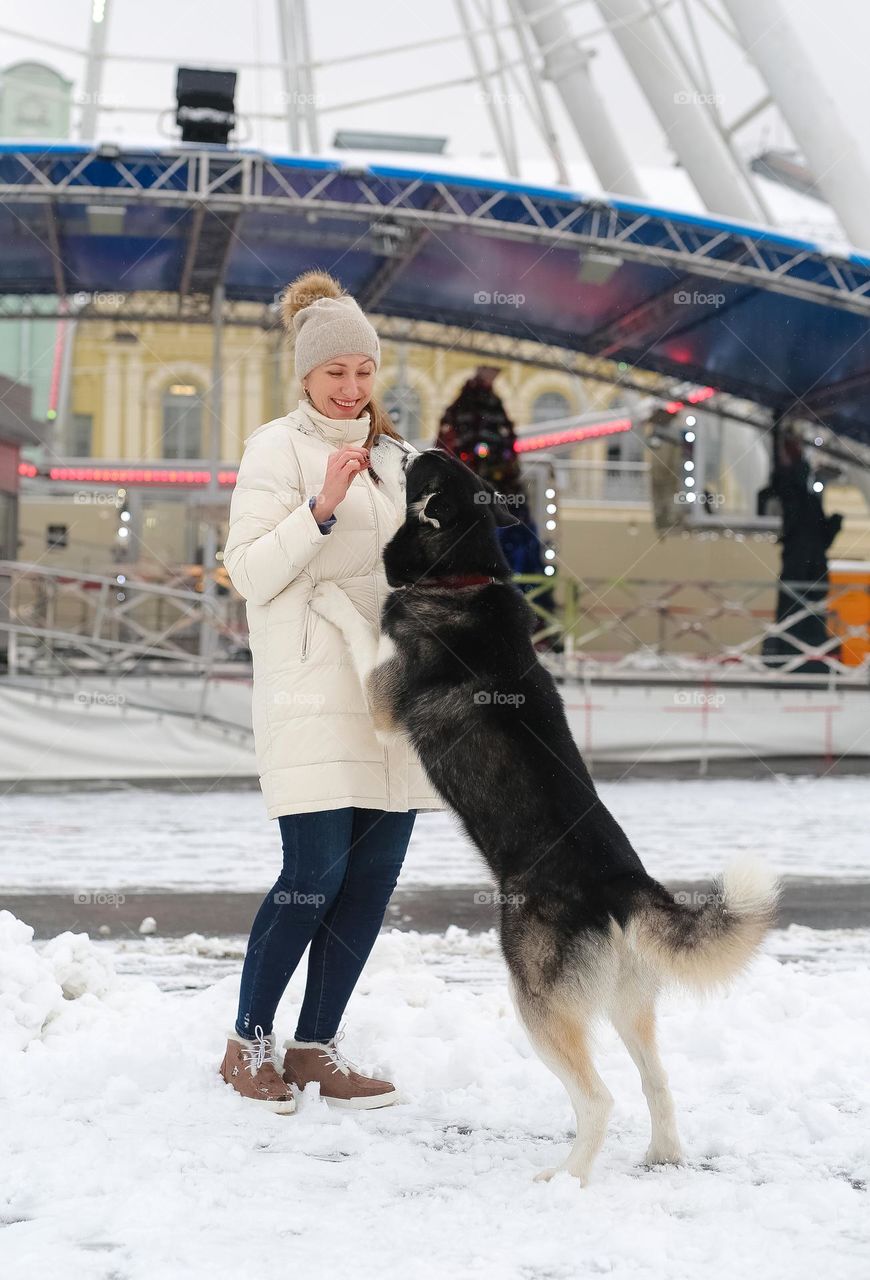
585	931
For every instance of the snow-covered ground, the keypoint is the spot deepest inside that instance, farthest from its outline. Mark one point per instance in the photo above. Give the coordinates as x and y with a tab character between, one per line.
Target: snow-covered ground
125	1156
130	838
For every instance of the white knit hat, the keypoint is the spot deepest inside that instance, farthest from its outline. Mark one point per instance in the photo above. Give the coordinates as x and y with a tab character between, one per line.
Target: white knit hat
326	322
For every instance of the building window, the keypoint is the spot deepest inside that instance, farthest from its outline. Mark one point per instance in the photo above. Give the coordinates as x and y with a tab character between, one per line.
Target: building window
182	422
549	406
81	435
628	446
403	406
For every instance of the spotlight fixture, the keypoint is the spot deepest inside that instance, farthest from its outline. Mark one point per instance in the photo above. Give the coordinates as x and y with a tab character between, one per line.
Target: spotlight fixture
206	104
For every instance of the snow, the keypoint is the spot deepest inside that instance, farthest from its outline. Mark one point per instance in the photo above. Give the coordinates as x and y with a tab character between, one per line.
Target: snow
112	840
132	1159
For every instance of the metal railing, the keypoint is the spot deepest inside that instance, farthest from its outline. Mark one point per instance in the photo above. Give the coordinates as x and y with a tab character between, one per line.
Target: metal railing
56	621
597	484
707	630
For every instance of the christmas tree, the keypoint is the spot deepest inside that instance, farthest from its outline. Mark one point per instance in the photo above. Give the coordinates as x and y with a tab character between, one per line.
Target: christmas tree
476	428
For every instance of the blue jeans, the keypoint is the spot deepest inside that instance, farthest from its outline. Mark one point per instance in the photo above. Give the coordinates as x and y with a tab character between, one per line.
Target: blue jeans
340	868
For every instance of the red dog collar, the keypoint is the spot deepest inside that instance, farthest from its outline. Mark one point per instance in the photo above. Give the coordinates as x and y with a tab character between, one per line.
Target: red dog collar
454	580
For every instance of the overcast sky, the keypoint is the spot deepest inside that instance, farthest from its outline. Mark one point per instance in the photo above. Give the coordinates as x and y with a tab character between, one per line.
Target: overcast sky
230	32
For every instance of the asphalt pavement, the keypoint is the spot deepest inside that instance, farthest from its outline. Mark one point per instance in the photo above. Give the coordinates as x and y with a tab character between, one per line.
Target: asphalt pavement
819	904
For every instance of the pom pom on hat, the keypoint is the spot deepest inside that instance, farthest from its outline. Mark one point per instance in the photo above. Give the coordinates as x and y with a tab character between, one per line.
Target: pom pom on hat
326	322
304	290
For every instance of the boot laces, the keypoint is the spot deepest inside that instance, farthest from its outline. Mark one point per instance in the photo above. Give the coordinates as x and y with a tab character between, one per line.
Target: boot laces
339	1061
256	1051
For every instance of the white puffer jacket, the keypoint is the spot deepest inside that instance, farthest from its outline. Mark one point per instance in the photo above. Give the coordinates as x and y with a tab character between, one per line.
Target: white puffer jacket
316	748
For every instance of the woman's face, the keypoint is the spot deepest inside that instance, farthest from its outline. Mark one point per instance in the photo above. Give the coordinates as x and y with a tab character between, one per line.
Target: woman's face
341	388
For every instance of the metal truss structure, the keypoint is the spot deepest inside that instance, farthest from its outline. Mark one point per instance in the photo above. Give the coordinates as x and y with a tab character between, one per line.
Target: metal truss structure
392	203
210	232
64	622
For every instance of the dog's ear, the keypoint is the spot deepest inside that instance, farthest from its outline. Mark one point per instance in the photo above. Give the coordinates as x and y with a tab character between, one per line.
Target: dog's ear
439	506
499	505
502	512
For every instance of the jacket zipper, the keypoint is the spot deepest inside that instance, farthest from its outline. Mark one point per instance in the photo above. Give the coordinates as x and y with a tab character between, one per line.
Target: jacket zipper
305	632
378	618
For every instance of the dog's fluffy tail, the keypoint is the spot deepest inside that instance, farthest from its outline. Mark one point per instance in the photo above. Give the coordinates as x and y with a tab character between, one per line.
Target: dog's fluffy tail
700	941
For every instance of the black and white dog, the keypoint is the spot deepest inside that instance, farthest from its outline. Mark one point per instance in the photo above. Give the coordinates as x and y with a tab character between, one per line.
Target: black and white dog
585	931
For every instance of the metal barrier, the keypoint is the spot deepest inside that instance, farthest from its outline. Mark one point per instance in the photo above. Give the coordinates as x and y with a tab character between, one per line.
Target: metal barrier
703	630
592	484
61	621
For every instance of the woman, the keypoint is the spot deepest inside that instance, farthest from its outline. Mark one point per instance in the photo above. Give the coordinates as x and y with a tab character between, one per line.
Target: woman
303	511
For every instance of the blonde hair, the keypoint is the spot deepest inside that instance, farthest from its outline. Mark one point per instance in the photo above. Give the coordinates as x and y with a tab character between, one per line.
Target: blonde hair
381	423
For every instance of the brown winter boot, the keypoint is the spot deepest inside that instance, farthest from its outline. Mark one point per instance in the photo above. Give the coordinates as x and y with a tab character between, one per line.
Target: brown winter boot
340	1084
250	1067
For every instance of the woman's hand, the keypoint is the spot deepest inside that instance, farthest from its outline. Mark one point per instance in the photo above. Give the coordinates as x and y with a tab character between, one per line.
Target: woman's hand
342	466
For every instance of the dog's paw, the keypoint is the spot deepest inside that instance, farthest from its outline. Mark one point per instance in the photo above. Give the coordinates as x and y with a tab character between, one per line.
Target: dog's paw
544	1175
325	597
387	737
663	1155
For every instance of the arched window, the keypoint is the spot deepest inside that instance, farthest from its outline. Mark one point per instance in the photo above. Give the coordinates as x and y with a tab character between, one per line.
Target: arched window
549	406
182	422
403	406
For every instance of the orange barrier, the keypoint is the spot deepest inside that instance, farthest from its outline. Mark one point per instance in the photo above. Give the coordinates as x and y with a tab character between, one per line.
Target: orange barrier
849	607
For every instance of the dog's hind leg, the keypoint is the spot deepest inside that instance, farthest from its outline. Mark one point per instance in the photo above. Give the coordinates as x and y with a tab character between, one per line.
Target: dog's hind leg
559	1033
635	1021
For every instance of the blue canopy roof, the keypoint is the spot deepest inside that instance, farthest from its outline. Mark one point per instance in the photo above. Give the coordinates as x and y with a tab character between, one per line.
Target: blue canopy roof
745	309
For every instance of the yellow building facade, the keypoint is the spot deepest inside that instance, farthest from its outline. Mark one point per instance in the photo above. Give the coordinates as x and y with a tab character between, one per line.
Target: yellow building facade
140	394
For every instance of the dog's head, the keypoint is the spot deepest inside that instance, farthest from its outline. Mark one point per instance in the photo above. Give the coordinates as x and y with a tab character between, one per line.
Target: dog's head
451	514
